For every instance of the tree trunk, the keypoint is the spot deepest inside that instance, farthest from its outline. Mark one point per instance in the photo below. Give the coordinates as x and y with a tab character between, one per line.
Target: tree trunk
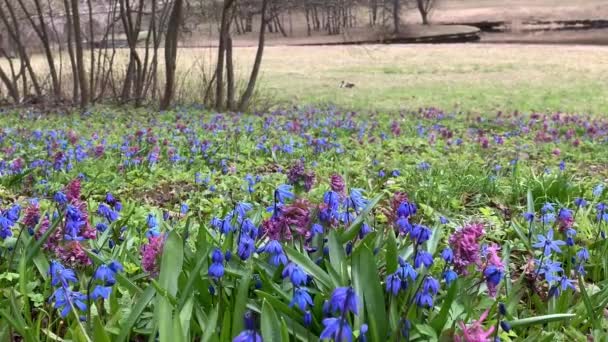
82	77
171	53
219	71
396	13
424	8
70	47
246	98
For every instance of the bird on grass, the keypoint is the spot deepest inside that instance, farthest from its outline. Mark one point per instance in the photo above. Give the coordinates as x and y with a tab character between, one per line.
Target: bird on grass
347	85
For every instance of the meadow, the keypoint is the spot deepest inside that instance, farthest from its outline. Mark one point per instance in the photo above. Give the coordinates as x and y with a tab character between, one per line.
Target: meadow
471	78
303	224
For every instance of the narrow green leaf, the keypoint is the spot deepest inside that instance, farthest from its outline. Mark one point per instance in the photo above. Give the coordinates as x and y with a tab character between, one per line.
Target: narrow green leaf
391	252
591	315
170	270
240	304
211	324
539	320
373	296
271	326
438	322
337	255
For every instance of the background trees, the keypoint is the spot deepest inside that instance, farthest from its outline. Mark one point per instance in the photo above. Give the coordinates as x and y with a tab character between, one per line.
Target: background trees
89	51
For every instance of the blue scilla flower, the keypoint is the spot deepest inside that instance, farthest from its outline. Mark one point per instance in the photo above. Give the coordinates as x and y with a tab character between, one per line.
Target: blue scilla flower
337	329
423	258
284	193
61	275
549	269
493	274
242	208
301	299
184	208
547	243
443	220
105	274
246	247
295	274
404	225
394	284
547	207
449	276
420	234
332	199
343	300
356	200
406	270
580	202
583	254
249	334
105	211
60	198
447	255
101	292
406	209
216	269
151	221
65	299
529	217
598	190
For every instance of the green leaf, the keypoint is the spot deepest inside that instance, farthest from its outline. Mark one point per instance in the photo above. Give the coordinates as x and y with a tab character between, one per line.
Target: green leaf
99	332
240	304
591	315
138	309
539	320
211	324
439	321
337	255
271	326
373	296
392	261
309	267
427	330
354	228
186	292
170	270
284	330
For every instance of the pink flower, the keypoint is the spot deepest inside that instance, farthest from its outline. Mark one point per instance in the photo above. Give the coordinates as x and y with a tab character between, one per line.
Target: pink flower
150	254
73	190
73	255
32	215
475	331
337	183
465	244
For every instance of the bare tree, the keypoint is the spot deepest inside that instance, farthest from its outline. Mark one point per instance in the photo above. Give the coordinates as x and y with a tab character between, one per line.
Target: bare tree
171	52
425	7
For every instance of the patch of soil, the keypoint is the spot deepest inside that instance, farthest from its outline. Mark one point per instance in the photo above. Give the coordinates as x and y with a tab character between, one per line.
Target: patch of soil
165	193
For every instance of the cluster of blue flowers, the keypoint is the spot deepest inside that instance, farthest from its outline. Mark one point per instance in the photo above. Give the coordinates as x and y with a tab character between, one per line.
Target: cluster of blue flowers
8	218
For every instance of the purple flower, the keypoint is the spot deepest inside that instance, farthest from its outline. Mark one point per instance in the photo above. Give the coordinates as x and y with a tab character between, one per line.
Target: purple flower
344	299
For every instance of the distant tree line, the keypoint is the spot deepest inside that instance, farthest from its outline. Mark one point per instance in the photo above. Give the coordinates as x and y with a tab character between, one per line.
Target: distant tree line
90	51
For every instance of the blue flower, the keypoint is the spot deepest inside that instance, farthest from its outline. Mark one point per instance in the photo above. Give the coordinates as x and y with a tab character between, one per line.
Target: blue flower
246	247
105	274
283	193
406	270
583	254
450	276
242	208
107	212
424	299
423	258
549	269
184	208
101	292
301	299
332	199
295	274
548	207
406	209
431	285
598	190
61	275
344	299
580	202
248	336
420	234
529	217
151	221
394	284
493	274
443	220
548	244
404	225
447	255
356	199
65	298
337	329
548	218
60	198
316	229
